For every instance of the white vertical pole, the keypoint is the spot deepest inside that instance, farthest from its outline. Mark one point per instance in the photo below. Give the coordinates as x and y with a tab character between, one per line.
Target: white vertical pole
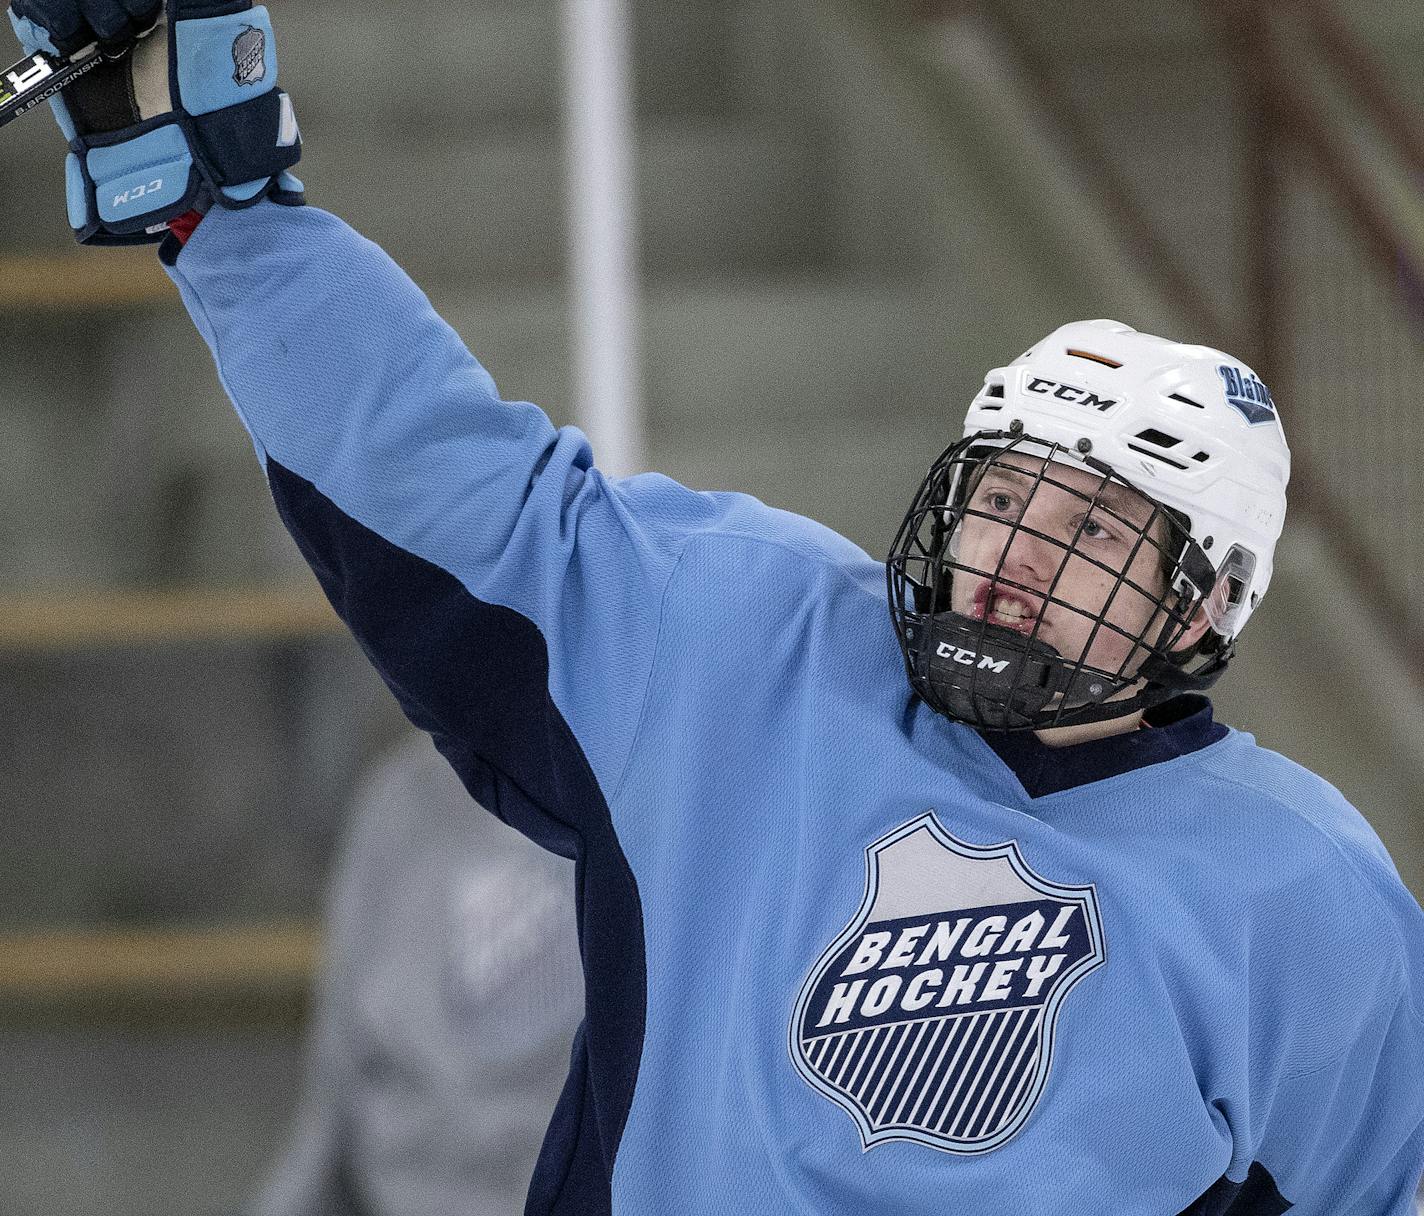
602	231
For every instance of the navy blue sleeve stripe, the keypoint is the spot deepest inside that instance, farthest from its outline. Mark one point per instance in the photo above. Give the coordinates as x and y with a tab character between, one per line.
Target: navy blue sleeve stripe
1256	1196
482	672
460	668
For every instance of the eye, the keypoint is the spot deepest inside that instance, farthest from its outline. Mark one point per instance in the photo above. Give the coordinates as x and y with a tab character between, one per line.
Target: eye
1094	529
999	501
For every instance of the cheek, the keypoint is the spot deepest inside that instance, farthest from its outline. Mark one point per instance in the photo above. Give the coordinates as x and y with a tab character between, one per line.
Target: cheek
976	550
1147	585
980	543
1094	590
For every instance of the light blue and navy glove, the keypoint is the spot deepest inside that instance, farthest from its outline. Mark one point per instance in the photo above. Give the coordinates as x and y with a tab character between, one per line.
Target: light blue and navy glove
189	119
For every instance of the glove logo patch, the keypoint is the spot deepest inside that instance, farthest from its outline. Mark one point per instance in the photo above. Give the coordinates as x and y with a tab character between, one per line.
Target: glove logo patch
135	193
249	56
931	1017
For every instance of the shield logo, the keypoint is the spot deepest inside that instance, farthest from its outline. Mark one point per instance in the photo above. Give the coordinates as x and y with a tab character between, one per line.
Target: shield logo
249	56
931	1017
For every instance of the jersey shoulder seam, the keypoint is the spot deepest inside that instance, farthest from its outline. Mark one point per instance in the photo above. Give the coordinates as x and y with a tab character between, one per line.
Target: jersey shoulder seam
823	561
636	737
803	552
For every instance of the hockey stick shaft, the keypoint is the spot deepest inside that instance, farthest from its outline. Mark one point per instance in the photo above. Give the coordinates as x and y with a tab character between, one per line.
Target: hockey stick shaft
38	78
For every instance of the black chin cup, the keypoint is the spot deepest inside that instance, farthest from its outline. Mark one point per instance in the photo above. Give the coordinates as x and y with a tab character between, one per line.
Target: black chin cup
992	677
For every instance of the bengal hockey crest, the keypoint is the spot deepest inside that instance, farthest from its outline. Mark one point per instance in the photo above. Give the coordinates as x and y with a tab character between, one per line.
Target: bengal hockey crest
931	1017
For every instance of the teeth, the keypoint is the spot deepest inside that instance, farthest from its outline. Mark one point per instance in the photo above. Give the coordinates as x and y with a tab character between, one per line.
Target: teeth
1010	610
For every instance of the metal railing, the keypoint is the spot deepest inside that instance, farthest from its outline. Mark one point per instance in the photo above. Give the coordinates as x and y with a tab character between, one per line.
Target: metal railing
219	975
1336	229
1333	234
36	622
38	282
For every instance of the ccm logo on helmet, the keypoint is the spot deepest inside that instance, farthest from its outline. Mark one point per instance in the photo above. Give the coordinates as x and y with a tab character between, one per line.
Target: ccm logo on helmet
1070	392
967	657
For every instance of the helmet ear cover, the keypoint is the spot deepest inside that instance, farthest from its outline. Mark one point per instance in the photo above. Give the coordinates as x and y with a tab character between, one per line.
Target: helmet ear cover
993	677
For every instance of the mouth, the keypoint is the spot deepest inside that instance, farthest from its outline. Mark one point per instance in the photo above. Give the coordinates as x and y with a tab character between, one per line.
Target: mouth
1007	608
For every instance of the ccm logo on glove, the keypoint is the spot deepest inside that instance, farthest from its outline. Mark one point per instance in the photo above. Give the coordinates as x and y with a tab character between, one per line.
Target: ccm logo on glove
128	196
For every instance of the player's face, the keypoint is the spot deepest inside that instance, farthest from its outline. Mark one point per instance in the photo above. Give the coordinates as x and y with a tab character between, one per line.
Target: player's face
1077	558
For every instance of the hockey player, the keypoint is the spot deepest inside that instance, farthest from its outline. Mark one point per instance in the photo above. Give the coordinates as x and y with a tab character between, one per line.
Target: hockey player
1030	934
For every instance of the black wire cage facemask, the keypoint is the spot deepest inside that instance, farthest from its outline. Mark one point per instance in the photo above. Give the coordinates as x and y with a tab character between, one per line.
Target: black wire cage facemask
1002	538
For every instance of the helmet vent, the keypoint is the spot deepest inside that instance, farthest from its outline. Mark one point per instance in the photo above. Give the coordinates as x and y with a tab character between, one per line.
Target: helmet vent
995	390
1087	354
1185	400
1162	440
1202	457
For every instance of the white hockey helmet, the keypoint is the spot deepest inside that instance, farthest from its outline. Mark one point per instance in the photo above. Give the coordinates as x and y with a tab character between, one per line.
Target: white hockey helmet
1191	427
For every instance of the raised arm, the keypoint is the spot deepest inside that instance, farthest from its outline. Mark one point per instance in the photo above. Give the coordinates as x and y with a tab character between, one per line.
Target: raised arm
508	593
506	590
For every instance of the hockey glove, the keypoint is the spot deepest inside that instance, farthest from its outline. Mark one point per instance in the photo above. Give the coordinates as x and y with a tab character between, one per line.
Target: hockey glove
191	118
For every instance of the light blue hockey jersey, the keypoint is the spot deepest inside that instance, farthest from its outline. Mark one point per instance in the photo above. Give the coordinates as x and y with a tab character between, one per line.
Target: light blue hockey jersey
838	961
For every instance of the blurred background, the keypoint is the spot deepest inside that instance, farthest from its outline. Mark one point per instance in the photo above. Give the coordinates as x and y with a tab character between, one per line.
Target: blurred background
844	212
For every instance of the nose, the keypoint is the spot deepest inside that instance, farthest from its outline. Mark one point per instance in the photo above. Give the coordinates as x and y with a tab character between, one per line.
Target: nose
1031	559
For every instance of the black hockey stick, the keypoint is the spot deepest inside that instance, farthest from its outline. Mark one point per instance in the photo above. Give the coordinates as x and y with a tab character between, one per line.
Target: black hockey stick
38	78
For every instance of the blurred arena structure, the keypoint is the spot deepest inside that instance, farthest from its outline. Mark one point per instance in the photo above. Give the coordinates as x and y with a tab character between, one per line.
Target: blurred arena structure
847	211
